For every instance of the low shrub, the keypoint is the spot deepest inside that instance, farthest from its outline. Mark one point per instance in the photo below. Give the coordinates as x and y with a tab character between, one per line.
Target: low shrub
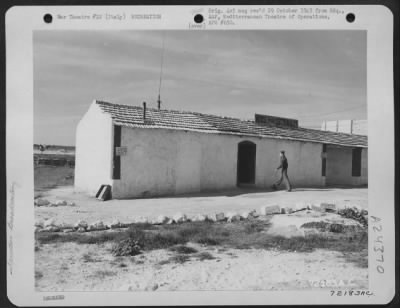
127	247
355	214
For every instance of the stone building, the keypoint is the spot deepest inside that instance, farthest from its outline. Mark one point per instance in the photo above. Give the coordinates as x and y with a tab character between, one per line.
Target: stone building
143	152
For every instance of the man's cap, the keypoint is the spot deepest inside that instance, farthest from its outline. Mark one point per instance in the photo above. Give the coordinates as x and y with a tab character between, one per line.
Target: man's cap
283	152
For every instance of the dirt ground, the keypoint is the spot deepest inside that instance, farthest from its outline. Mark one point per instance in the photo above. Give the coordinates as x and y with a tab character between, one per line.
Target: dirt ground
91	209
70	266
74	267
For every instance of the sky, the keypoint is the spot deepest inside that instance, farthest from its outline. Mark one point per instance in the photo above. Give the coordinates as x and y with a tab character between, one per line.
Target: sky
308	75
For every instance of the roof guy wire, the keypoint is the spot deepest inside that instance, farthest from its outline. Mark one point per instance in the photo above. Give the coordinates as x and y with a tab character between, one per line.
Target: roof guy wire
161	70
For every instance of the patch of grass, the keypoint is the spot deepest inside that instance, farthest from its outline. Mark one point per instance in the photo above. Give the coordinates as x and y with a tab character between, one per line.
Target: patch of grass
87	258
241	235
205	256
182	249
103	274
86	238
179	259
331	227
254	227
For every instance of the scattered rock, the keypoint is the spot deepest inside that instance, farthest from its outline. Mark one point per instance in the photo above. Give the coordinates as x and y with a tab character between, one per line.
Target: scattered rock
233	217
328	207
52	229
141	220
286	210
316	208
81	224
116	224
49	222
81	229
71	204
217	217
155	287
249	214
65	226
160	220
97	226
270	209
61	203
199	218
179	218
68	230
41	202
39	224
170	221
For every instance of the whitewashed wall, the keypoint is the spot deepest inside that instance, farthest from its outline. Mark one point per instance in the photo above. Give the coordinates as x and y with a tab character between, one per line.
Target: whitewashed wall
93	156
164	162
339	167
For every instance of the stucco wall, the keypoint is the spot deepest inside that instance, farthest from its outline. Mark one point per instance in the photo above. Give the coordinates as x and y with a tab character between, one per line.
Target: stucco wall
93	157
164	162
339	166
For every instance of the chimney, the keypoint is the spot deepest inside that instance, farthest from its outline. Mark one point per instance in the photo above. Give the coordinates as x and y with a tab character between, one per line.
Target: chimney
268	120
144	111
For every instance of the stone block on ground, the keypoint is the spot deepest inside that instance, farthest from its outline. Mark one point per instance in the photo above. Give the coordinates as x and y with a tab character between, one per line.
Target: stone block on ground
179	218
52	229
116	224
68	230
49	222
328	207
64	225
199	218
140	220
249	214
81	229
71	204
270	210
41	202
170	221
160	220
81	224
233	217
39	224
286	210
316	207
61	203
215	217
97	226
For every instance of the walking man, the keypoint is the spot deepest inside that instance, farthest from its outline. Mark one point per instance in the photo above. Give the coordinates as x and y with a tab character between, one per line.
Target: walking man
283	166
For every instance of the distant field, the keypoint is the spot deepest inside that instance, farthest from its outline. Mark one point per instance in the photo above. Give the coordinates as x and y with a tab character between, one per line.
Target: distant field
47	177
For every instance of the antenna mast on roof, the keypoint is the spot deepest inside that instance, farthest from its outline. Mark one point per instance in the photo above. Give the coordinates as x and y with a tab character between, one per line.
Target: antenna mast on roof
161	72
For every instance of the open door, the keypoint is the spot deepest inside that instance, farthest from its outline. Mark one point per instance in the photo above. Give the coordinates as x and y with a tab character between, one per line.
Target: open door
246	165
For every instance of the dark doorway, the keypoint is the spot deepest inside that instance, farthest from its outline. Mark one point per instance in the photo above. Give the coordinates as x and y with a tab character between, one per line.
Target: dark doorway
246	166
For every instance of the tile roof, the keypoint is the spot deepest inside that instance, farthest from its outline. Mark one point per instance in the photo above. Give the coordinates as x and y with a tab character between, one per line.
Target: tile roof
132	116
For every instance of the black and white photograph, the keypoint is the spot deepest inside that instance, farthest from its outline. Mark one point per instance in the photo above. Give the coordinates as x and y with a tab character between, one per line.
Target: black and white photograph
178	160
174	155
